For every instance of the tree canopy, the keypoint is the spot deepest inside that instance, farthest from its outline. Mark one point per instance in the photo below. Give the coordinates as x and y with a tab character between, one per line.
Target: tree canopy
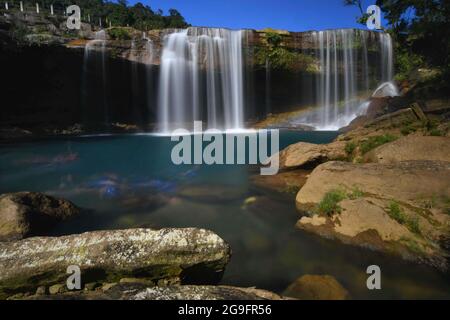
120	13
421	29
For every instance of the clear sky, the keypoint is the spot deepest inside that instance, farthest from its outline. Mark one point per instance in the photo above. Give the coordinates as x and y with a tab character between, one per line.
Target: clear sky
292	15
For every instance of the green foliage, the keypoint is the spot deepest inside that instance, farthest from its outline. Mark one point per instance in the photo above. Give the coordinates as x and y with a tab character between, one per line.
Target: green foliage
413	225
279	57
273	39
350	147
355	193
406	62
330	202
284	59
120	13
437	133
420	29
447	205
408	129
396	213
374	142
119	34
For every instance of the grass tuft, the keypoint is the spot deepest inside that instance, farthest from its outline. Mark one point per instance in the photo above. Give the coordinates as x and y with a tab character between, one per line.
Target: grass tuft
374	142
330	202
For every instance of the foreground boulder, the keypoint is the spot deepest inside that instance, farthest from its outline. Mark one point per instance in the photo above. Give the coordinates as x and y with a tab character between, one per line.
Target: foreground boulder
137	291
26	214
314	287
308	154
166	255
411	148
401	208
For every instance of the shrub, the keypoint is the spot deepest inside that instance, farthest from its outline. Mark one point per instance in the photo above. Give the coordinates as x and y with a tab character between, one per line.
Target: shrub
374	142
413	225
330	202
436	133
119	34
350	147
396	213
355	193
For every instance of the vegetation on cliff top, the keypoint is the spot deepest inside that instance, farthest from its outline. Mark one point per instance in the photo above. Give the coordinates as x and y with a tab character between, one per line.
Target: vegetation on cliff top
138	16
274	54
421	30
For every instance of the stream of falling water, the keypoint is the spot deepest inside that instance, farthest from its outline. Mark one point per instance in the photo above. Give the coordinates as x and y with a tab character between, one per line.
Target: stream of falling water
91	49
201	79
346	79
201	76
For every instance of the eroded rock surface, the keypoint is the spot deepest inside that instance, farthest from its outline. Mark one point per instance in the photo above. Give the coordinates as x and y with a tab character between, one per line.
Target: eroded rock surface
411	148
137	291
303	154
400	208
191	256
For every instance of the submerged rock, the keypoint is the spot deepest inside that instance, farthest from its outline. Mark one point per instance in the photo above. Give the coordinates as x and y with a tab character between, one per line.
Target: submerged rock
187	256
284	183
26	214
400	208
138	291
212	193
314	287
411	148
306	154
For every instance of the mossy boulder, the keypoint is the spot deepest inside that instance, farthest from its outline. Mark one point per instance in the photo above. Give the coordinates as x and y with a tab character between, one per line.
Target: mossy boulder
139	291
186	256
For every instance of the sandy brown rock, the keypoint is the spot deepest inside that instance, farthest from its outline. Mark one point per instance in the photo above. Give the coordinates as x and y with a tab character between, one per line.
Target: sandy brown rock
411	148
303	154
26	214
419	189
185	255
315	287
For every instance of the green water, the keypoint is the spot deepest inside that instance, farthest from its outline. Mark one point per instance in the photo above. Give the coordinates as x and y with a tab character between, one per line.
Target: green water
129	181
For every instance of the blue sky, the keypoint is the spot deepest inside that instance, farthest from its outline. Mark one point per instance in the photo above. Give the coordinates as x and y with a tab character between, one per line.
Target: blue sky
292	15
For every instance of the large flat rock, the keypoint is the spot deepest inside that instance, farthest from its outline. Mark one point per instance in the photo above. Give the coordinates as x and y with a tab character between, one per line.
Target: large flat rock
303	154
136	291
411	148
176	255
400	208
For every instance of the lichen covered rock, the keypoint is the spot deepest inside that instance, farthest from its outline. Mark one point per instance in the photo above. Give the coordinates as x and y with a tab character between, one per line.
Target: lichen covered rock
180	255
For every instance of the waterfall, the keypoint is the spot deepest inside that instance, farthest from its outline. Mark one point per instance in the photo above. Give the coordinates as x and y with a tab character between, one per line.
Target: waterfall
91	55
149	48
201	78
345	77
387	57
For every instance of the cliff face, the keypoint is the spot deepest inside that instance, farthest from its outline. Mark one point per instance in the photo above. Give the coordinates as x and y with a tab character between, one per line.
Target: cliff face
57	77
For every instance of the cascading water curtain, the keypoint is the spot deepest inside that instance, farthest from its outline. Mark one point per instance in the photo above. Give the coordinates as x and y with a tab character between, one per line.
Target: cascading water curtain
345	80
201	79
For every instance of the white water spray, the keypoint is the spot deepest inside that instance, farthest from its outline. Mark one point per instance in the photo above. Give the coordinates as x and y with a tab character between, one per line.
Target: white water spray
201	79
